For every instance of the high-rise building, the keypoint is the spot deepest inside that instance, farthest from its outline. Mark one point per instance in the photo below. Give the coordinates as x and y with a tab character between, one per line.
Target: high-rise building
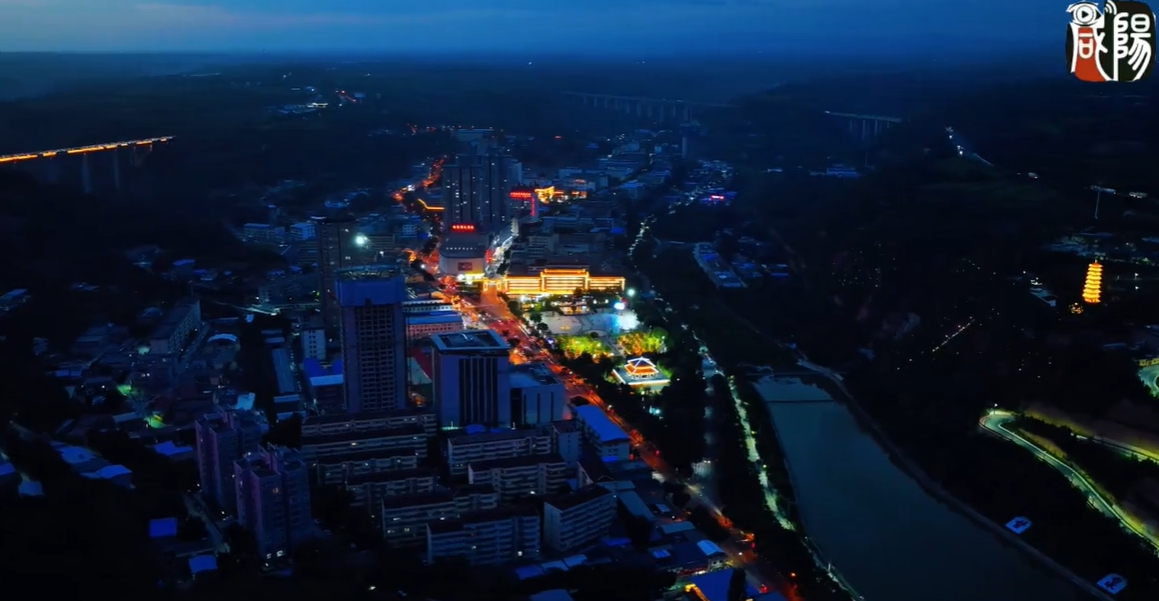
476	189
373	338
222	439
471	378
335	242
273	500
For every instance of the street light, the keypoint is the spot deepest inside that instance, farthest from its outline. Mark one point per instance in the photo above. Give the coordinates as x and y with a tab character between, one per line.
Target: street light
631	292
360	240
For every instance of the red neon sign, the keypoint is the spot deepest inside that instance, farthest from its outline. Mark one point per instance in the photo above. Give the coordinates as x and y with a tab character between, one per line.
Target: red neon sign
463	227
519	195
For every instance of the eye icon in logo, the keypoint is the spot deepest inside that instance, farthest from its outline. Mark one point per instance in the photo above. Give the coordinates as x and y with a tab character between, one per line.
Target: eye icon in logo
1084	14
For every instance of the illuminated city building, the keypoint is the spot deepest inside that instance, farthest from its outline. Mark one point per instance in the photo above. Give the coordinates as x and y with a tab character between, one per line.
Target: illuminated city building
561	281
1092	287
545	194
640	368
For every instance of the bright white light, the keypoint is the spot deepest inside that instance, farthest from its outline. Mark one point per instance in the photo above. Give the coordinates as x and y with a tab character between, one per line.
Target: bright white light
627	321
631	292
361	240
619	306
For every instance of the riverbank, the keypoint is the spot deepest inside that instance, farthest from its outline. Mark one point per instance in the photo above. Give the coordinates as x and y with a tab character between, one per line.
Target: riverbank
937	491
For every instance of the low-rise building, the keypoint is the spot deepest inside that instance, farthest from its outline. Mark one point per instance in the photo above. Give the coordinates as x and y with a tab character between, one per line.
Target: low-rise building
466	448
517	478
336	470
576	519
537	395
367	490
411	438
404	518
487	537
609	440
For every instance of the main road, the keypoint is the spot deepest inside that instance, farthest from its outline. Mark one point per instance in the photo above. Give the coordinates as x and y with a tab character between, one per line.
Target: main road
492	311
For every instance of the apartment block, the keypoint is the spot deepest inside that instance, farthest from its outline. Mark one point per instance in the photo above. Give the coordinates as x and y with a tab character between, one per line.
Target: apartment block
518	478
273	500
404	518
374	421
466	448
412	438
337	470
567	439
222	439
488	537
576	519
368	490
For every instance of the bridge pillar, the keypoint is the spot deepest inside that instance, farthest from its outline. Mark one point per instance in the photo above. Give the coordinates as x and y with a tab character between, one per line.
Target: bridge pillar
687	113
864	130
876	128
86	174
116	170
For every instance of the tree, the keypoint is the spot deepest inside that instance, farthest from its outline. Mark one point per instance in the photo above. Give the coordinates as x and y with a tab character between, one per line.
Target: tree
737	586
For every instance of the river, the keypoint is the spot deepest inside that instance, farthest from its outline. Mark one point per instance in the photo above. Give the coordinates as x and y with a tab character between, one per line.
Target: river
890	539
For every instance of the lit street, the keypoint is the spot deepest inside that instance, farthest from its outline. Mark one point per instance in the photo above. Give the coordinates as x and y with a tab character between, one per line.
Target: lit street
492	311
995	422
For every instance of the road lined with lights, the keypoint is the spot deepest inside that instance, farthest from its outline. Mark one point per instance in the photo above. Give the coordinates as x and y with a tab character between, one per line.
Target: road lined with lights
494	313
995	422
47	154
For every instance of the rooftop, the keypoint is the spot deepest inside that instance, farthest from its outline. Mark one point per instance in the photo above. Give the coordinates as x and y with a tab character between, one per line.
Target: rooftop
480	517
595	419
469	340
368	272
522	461
528	375
410	430
590	492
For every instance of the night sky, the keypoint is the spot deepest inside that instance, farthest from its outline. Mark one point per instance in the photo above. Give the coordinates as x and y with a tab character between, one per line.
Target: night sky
611	27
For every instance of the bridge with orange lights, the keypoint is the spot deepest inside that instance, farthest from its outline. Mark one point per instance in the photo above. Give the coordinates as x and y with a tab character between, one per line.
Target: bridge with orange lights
658	109
136	151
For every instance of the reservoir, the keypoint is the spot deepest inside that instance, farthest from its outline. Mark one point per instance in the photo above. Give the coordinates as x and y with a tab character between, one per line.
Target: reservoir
890	539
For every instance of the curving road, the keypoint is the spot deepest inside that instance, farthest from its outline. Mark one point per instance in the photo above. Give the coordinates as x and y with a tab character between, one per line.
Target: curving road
995	422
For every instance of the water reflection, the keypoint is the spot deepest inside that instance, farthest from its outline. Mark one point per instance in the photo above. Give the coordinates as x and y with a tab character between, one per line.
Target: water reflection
888	537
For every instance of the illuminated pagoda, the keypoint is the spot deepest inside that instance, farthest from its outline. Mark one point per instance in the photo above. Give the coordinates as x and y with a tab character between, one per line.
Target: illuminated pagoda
641	367
639	371
1092	287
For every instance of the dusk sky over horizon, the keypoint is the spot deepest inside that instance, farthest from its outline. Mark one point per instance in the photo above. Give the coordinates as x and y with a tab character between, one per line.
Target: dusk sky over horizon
583	26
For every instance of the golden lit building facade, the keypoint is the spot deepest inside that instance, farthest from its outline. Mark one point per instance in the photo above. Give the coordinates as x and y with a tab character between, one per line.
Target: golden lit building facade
561	281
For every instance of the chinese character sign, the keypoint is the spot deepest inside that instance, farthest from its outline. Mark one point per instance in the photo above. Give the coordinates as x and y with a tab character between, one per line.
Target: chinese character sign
1116	43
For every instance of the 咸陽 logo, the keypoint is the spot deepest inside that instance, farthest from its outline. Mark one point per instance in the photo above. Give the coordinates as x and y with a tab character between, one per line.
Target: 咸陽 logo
1116	43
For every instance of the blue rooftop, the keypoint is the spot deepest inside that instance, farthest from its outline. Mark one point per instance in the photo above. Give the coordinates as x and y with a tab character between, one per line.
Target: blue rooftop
595	420
202	563
163	527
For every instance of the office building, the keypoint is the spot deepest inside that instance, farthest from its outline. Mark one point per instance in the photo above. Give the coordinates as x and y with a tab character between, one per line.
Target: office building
335	245
373	338
471	378
421	323
537	395
222	439
273	500
518	478
488	537
475	190
465	448
560	281
404	518
608	439
578	518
